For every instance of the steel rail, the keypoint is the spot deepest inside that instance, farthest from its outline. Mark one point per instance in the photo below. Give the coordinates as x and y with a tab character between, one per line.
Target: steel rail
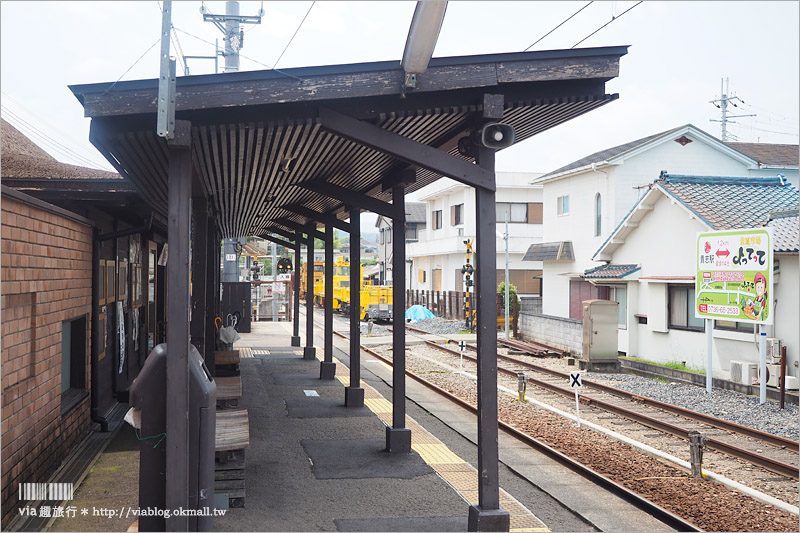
637	501
779	467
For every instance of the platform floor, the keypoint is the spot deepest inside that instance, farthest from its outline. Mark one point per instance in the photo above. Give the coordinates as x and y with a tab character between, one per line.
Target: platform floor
313	466
316	465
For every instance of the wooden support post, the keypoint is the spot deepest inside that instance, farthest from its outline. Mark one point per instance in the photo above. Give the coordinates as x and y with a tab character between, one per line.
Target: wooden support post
199	272
211	293
327	368
398	436
309	352
354	393
296	275
178	272
487	515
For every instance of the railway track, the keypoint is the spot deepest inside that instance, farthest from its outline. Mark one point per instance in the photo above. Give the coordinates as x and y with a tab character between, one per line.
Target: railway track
679	496
629	496
782	458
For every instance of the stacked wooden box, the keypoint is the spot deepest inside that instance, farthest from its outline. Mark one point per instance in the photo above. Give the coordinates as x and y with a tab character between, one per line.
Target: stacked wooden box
232	431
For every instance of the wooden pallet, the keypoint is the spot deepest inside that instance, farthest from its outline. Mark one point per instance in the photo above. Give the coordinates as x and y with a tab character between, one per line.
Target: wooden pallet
233	430
229	479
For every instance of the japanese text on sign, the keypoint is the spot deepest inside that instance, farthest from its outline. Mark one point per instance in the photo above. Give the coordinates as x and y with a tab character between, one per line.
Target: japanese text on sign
734	275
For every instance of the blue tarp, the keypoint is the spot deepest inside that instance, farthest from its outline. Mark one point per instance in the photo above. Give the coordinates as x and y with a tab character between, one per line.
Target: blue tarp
417	312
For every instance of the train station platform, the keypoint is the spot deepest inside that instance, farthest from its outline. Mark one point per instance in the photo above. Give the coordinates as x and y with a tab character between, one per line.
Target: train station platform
315	465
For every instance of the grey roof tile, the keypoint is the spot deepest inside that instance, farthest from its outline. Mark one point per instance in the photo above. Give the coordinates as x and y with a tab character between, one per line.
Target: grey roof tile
785	230
731	202
610	271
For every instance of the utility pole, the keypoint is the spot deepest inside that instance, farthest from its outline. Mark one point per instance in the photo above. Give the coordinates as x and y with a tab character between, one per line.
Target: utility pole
505	236
230	26
722	103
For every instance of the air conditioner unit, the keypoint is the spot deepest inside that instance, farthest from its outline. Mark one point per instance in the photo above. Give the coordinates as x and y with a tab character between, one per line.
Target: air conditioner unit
773	350
773	375
744	372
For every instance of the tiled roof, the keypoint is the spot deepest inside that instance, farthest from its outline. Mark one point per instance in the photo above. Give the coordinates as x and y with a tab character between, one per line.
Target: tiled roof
610	271
770	154
550	251
785	230
605	155
415	212
730	202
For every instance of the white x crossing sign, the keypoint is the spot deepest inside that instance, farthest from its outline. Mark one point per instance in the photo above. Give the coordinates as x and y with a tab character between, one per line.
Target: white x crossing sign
575	380
462	345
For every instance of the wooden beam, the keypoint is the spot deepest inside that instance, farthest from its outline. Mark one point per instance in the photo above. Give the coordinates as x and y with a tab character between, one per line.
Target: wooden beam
328	220
276	240
350	197
406	149
311	231
290	235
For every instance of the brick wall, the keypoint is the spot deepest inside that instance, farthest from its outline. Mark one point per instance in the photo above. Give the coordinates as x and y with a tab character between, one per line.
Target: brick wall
46	272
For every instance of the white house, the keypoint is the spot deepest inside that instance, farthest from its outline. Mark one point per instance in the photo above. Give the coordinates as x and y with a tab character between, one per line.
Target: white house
436	258
650	263
585	200
415	225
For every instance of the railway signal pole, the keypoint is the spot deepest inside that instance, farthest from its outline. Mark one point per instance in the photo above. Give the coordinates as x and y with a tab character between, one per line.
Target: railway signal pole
468	270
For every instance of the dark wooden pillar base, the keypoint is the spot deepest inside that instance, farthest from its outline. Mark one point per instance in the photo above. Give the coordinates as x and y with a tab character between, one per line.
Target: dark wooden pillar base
309	353
488	519
295	340
354	396
398	440
327	370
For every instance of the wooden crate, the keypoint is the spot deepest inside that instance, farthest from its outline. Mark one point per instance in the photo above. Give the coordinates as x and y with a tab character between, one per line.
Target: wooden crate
226	357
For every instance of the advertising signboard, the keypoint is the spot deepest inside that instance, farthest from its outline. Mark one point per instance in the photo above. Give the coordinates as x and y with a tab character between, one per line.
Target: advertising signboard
734	275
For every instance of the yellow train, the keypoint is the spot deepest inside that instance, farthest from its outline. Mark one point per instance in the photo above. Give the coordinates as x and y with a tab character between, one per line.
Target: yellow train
319	272
376	300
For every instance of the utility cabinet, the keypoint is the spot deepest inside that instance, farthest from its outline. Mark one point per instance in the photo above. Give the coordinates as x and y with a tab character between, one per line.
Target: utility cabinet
600	340
236	302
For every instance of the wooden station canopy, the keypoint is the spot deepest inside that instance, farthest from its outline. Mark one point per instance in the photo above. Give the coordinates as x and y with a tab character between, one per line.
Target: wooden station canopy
256	137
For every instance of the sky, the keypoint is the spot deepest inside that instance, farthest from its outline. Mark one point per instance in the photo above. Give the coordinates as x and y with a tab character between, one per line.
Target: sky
679	52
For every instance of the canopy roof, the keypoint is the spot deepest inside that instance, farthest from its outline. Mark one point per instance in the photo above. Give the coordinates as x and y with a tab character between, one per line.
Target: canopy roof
256	136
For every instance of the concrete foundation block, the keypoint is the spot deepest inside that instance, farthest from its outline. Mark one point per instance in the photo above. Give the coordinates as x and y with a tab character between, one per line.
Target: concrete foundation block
488	519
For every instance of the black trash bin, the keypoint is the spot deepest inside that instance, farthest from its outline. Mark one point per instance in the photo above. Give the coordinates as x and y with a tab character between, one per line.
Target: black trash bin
149	394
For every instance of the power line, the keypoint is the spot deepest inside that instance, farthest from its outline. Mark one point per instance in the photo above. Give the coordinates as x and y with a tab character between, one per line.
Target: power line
607	23
49	127
554	29
32	131
134	64
295	33
241	55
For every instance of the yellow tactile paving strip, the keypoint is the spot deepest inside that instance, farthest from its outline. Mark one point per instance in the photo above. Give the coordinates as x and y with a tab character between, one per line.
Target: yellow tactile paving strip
459	474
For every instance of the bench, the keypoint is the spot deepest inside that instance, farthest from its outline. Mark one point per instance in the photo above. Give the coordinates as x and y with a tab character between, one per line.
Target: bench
229	390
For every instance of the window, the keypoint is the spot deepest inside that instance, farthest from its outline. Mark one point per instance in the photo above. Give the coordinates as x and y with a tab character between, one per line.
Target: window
73	362
598	207
681	309
730	325
456	214
563	205
437	219
388	235
411	233
515	212
382	235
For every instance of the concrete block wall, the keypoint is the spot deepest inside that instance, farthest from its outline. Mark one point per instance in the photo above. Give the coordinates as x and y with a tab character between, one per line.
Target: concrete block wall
563	333
531	305
46	273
